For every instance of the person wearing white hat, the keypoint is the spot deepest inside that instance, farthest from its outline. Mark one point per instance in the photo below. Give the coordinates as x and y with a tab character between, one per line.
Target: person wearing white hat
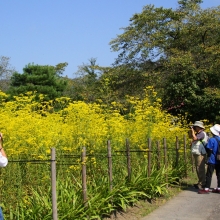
199	141
213	164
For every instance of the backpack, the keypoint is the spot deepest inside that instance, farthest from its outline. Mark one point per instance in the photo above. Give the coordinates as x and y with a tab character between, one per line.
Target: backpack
218	150
199	147
204	141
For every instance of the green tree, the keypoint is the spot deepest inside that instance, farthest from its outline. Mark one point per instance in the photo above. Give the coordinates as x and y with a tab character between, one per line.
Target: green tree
118	82
184	47
45	80
84	87
6	71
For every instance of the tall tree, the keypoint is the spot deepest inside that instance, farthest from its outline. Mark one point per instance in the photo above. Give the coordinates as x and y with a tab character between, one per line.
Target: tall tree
184	46
85	85
45	80
6	71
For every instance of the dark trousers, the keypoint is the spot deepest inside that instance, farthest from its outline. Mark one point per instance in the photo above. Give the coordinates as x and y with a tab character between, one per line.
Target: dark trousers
209	172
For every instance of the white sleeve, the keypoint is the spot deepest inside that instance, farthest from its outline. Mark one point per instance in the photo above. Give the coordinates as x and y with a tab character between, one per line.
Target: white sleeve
3	161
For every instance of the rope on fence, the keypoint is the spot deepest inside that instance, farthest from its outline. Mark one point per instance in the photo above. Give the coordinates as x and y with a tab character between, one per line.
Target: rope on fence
32	161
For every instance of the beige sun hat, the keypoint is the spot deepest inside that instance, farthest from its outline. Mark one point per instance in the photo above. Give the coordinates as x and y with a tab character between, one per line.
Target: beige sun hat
199	124
215	129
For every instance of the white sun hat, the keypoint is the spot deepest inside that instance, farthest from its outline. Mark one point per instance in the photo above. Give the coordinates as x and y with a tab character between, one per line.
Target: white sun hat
215	129
199	124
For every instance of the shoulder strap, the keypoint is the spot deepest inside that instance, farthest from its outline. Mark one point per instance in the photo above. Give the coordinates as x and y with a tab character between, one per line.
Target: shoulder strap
218	141
204	140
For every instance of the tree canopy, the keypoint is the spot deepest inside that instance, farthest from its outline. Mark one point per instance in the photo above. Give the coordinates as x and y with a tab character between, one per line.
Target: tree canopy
183	46
45	80
177	51
6	71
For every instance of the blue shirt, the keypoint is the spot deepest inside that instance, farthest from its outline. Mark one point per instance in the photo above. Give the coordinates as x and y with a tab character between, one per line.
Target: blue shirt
213	145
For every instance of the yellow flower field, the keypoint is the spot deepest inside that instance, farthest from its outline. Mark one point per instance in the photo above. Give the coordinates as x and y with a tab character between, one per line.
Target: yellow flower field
31	128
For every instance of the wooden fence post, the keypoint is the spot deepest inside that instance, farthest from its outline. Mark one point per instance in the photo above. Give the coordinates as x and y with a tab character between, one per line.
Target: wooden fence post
158	155
149	157
177	151
165	156
185	157
53	183
109	164
110	169
128	159
84	187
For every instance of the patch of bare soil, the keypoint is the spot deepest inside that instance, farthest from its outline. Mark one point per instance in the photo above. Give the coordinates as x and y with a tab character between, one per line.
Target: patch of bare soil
131	213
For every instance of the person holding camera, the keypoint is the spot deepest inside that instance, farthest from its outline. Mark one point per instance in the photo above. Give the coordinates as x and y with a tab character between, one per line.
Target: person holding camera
3	163
198	150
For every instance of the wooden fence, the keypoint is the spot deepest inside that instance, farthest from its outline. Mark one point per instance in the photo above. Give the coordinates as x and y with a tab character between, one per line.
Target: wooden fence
161	155
128	152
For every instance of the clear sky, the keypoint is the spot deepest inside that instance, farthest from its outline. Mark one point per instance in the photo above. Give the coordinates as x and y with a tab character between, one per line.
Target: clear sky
48	32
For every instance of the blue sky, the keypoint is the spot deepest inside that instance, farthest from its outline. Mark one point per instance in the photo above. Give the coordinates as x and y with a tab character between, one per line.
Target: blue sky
48	32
